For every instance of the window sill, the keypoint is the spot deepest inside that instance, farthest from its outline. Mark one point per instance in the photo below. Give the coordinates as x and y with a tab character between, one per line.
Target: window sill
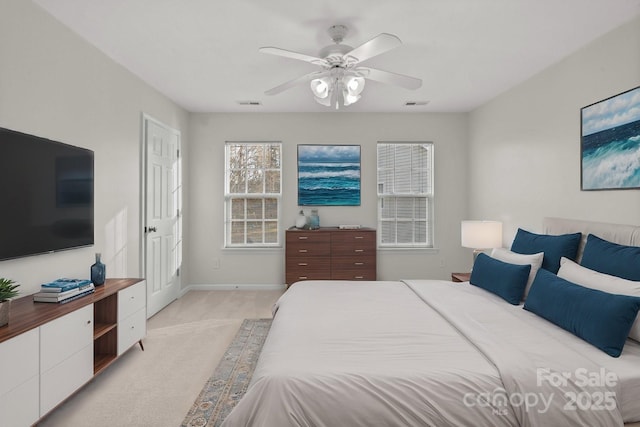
254	250
409	249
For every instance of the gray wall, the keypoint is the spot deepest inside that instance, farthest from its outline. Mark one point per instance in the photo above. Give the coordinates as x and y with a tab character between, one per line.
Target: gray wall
208	133
515	159
54	84
524	145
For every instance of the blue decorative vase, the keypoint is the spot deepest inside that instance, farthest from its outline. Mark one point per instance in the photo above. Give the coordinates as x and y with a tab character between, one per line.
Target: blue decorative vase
98	272
314	220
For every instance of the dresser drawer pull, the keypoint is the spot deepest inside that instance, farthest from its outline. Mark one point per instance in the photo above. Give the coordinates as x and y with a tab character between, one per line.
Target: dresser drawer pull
303	237
358	250
302	264
304	251
302	277
358	237
359	277
358	263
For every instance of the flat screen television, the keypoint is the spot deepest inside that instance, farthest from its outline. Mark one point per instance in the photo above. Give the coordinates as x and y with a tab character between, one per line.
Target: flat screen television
46	195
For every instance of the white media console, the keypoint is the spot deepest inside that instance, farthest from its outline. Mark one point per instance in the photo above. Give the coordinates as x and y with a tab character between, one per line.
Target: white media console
49	351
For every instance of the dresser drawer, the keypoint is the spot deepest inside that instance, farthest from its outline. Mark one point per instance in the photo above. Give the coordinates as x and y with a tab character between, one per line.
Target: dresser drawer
353	274
353	268
308	268
353	243
354	263
308	264
302	249
308	237
296	276
356	250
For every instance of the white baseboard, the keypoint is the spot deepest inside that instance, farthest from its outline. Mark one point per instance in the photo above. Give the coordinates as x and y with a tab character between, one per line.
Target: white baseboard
240	287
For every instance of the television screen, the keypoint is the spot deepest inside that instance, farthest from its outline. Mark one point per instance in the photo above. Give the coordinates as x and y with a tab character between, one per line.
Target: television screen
46	195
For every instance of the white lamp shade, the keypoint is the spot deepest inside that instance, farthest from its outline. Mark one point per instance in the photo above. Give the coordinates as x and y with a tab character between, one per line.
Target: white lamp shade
481	234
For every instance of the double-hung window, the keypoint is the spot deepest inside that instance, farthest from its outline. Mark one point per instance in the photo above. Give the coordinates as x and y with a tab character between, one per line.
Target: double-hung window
405	194
253	174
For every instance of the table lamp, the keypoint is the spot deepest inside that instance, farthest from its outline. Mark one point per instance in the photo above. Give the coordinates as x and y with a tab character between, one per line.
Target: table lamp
481	235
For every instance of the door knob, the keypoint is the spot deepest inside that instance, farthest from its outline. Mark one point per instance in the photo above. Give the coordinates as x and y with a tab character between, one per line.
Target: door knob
150	229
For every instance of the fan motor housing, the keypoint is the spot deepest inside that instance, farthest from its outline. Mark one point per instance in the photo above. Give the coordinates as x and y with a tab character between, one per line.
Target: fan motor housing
334	49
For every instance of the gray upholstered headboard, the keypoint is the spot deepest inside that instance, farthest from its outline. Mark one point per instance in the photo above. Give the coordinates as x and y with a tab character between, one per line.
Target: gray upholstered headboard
617	233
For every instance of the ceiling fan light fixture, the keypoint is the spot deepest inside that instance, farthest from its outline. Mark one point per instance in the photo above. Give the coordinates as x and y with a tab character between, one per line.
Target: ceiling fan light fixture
349	98
320	88
354	85
341	80
326	100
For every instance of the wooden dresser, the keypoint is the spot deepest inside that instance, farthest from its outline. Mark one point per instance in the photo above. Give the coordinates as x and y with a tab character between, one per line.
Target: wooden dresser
330	253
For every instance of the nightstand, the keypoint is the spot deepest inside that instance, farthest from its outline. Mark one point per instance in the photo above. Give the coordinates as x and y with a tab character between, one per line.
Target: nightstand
460	277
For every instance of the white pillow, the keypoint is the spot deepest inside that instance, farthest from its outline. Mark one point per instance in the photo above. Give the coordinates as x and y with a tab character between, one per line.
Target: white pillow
534	260
580	275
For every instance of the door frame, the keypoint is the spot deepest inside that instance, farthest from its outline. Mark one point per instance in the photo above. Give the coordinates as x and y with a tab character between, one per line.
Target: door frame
144	118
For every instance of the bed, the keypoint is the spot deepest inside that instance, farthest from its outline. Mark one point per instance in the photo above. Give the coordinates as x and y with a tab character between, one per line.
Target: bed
435	353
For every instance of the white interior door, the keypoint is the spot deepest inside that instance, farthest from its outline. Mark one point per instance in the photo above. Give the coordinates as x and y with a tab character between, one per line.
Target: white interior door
162	227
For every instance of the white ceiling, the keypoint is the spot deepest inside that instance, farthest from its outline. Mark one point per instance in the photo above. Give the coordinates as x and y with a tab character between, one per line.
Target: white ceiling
203	54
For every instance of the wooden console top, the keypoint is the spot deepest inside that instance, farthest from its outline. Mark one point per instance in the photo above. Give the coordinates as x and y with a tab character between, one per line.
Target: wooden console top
26	314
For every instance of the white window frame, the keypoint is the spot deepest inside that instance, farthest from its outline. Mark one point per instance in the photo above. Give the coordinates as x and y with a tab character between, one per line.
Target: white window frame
384	193
229	197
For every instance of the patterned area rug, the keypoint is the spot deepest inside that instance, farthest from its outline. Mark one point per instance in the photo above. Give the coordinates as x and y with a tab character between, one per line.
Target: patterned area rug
229	381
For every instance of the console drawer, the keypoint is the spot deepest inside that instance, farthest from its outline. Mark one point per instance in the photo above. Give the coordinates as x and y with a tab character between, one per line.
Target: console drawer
131	300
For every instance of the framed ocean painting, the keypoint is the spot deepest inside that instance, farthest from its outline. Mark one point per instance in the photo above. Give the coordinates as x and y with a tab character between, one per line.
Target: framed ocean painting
328	175
610	143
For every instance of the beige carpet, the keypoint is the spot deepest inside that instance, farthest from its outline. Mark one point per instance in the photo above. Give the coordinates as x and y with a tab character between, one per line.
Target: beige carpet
157	387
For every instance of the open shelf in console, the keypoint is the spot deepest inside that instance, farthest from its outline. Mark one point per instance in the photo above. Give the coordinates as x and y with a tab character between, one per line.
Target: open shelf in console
105	332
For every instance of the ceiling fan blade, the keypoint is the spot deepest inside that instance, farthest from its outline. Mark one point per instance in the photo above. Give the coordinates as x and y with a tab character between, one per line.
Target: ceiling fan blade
293	55
390	78
374	47
291	83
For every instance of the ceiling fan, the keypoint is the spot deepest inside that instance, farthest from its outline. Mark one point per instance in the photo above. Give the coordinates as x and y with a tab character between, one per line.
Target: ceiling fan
341	78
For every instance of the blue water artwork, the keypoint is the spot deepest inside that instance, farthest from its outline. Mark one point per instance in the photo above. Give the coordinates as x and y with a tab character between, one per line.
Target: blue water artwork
611	143
328	175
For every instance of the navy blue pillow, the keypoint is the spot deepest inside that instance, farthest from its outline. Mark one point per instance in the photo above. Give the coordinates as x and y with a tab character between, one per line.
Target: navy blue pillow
503	279
554	247
600	318
611	258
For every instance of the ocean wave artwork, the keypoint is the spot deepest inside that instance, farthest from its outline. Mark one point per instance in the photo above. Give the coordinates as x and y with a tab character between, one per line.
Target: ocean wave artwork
328	175
611	143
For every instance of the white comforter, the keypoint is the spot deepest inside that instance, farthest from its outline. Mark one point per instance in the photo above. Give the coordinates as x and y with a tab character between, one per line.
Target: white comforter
420	353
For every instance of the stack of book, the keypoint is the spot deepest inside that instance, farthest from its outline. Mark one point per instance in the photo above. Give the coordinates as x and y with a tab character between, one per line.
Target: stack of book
64	290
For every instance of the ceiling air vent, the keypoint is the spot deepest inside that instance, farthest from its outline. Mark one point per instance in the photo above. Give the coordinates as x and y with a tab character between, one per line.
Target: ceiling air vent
254	103
415	103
